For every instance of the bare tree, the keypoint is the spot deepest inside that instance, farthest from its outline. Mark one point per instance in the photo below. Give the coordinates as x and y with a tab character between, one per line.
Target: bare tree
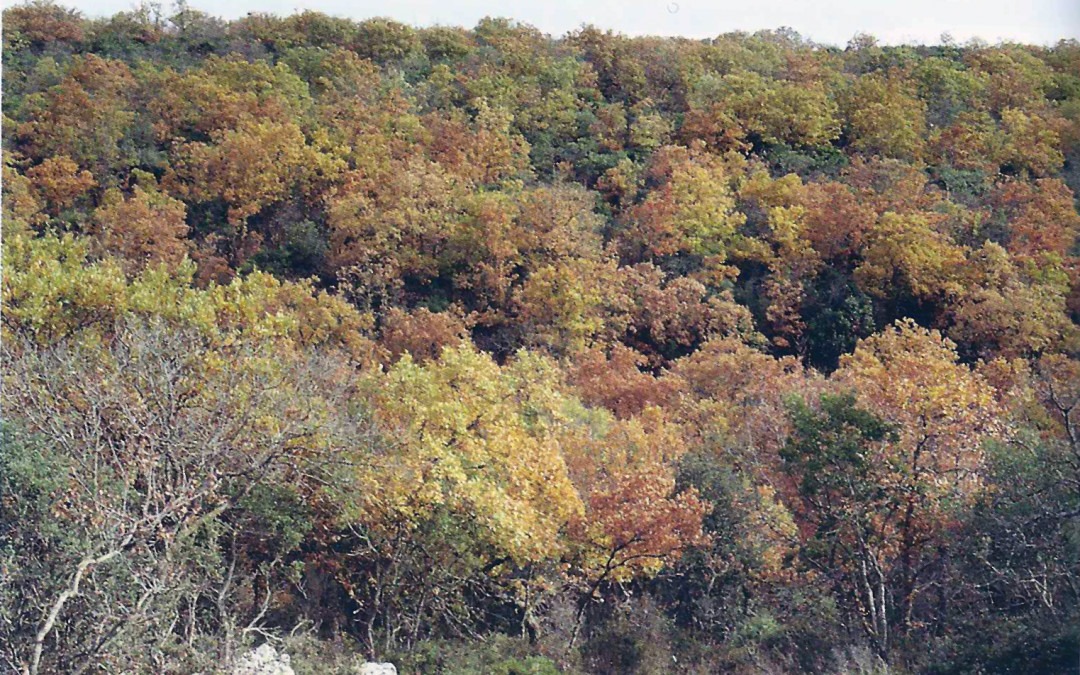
159	430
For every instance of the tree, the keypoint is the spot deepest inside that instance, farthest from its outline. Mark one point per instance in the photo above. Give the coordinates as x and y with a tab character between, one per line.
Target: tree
617	382
154	442
732	409
249	167
22	206
1040	217
833	456
145	229
949	89
54	289
537	308
942	414
60	183
884	116
485	152
634	520
404	221
84	117
471	486
568	307
836	221
383	40
1014	76
771	111
466	444
691	211
973	142
1022	529
219	95
39	25
672	317
906	256
1001	312
1031	144
422	334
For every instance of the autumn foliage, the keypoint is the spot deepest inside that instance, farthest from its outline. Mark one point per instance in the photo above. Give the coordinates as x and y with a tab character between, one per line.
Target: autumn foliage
487	351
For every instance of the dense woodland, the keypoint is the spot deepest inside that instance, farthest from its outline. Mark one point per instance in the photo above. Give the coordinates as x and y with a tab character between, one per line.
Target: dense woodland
486	351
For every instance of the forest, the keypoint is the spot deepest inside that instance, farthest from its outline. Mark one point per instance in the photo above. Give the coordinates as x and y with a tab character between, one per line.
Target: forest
486	351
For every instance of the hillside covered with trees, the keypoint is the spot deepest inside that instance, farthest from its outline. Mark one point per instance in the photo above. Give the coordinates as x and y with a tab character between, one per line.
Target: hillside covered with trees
486	351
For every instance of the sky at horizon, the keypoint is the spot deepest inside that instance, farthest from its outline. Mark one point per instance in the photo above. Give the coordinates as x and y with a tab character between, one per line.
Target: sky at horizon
825	21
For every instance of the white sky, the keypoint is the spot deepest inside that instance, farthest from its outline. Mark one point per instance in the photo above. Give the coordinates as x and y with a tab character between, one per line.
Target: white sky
825	21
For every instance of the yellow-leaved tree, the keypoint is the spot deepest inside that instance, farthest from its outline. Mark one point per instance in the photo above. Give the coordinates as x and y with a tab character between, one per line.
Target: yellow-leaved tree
465	440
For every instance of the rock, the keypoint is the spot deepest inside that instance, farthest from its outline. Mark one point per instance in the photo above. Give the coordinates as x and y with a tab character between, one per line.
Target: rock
263	661
372	668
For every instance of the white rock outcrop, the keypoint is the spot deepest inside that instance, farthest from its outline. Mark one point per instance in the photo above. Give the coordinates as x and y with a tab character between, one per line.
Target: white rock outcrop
372	668
264	660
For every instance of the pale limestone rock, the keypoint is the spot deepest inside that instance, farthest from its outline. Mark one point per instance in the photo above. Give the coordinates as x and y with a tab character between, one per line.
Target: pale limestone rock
372	668
263	661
